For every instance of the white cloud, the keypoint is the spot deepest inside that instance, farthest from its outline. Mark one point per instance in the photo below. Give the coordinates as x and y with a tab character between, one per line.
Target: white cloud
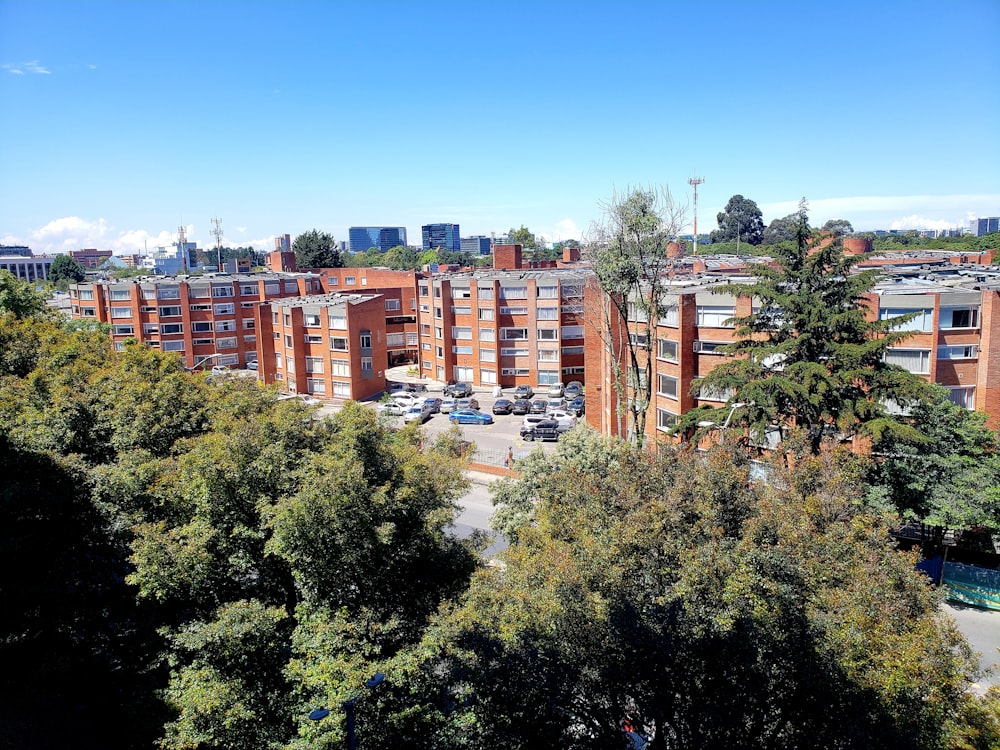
566	229
32	66
92	66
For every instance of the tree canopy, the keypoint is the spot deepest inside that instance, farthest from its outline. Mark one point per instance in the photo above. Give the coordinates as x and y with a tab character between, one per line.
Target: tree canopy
315	249
65	269
741	220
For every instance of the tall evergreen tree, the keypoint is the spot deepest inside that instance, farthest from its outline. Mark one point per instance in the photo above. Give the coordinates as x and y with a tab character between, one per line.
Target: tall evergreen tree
808	356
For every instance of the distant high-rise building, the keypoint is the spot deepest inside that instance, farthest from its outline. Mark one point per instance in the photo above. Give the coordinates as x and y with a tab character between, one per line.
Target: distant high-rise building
383	238
477	245
441	235
283	243
22	250
979	227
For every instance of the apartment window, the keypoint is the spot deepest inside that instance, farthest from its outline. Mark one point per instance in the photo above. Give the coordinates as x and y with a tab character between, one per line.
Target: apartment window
173	346
970	351
487	355
513	352
350	280
395	340
222	291
487	377
668	315
168	293
312	338
461	310
959	317
428	364
143	309
571	309
548	377
425	308
199	308
150	329
721	394
487	334
250	339
411	338
286	320
548	292
569	351
484	293
513	292
666	349
203	342
366	364
964	397
571	290
120	295
288	341
171	328
86	294
425	330
438	332
248	289
460	292
637	313
124	330
666	386
439	352
461	332
714	316
226	343
547	313
226	308
121	312
513	310
516	372
548	355
340	368
573	370
393	304
461	350
923	318
249	324
316	386
202	326
365	340
665	420
437	312
513	334
341	389
464	374
170	312
486	313
314	365
710	347
424	290
572	332
338	322
917	361
310	320
225	325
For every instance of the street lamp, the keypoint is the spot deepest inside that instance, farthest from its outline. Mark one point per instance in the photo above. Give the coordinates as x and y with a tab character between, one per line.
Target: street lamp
201	361
348	706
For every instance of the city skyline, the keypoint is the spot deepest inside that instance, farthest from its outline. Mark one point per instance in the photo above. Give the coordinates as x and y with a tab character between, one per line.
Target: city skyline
126	121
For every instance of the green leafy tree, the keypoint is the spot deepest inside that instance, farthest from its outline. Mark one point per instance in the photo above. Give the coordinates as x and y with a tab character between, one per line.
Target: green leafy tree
702	608
401	258
629	257
19	298
315	249
808	357
837	227
740	221
64	270
784	229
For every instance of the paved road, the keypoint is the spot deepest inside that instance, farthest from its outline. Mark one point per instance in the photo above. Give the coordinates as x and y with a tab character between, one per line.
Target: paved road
477	507
982	629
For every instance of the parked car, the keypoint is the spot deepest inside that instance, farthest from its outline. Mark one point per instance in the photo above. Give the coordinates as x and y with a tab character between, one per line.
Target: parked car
566	420
308	400
393	408
538	406
556	389
459	390
434	403
252	365
219	369
573	390
547	429
396	388
418	413
524	391
448	404
467	403
577	407
469	416
521	406
503	406
408	399
554	402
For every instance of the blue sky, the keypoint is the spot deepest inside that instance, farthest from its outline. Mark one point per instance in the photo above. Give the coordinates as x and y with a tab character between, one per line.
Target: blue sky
124	120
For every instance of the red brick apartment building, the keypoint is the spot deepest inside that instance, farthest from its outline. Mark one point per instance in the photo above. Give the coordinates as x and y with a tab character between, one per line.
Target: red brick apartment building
90	257
519	327
206	319
327	345
955	340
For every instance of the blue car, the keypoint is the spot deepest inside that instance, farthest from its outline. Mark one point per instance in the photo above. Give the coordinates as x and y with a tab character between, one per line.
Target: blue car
469	416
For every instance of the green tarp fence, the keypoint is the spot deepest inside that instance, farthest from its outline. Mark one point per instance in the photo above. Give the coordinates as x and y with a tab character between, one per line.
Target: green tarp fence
968	584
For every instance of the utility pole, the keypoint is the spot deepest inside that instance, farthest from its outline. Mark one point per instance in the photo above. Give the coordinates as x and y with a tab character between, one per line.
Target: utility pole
181	242
217	233
695	182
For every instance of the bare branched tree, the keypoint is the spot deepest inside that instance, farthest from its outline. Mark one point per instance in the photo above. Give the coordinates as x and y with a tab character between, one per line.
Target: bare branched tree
629	252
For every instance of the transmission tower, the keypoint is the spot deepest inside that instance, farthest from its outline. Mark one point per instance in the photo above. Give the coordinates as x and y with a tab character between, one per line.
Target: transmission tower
181	242
695	182
217	233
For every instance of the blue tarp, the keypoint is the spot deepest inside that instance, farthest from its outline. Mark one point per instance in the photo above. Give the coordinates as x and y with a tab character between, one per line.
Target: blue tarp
969	584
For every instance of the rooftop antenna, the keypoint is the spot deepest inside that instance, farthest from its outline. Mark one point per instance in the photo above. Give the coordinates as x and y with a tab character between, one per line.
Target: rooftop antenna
217	233
695	182
181	242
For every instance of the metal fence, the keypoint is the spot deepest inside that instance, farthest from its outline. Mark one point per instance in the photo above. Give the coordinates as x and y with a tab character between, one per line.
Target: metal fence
499	457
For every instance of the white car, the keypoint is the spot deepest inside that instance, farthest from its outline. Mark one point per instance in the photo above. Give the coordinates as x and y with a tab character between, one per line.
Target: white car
418	413
564	418
219	369
393	408
252	365
448	404
407	399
